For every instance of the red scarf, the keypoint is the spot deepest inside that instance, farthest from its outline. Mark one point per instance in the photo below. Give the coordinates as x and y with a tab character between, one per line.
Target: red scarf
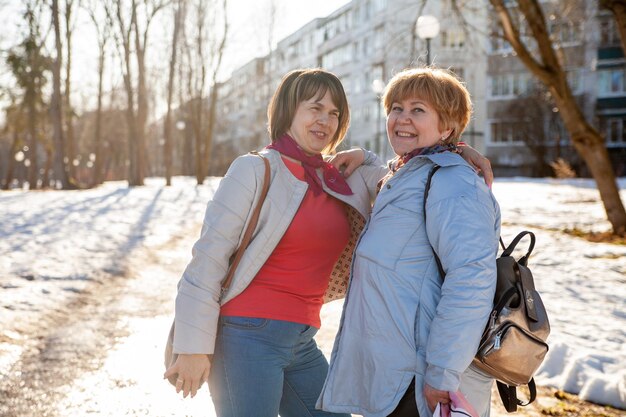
397	163
332	177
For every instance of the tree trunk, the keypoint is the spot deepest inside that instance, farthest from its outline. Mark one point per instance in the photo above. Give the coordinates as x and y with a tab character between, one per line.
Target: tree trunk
67	105
214	90
98	166
196	124
587	142
167	128
45	182
210	125
56	106
11	168
32	144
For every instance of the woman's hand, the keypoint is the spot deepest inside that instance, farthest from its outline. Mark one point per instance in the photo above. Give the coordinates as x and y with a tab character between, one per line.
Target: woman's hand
349	160
434	396
478	161
192	370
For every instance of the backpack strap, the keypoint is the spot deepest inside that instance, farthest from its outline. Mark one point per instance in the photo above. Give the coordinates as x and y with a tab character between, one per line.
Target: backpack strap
508	394
524	275
434	169
509	250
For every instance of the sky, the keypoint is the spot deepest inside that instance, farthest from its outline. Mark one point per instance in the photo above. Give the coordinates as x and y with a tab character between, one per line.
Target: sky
249	18
53	244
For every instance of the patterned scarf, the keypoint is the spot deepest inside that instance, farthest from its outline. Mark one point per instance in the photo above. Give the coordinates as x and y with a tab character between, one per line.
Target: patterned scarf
332	177
400	161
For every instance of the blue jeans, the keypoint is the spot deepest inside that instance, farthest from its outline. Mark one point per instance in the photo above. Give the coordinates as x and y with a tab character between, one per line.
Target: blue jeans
264	367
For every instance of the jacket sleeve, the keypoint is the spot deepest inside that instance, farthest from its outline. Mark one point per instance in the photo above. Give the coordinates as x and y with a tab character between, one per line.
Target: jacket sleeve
462	224
197	302
372	171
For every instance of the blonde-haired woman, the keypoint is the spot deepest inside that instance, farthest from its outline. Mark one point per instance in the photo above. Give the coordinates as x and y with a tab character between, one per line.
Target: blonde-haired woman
407	337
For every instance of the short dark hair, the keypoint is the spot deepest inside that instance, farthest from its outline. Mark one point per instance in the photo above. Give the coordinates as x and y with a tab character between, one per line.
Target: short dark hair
300	85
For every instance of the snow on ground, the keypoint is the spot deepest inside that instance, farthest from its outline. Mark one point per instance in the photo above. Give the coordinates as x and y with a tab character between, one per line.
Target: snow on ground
52	243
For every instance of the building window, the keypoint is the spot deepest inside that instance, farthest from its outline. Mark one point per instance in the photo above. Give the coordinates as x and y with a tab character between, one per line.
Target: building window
510	85
376	73
508	131
608	32
611	82
379	37
379	5
453	38
499	45
337	56
614	129
565	33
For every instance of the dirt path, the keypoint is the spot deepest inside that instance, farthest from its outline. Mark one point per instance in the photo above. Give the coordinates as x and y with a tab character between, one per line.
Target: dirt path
63	344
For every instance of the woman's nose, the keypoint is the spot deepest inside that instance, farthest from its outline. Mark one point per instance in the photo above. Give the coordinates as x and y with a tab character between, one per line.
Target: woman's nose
404	117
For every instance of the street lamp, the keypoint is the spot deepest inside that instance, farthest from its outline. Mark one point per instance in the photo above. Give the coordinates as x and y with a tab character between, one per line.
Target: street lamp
427	27
377	87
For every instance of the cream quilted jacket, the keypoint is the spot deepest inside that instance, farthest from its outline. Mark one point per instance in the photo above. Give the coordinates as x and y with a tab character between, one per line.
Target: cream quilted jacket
227	214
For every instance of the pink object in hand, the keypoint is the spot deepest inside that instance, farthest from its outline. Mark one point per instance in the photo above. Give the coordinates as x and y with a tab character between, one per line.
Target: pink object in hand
458	407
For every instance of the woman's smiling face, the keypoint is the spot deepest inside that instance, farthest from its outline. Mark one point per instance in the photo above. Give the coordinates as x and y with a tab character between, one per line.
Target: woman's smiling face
413	123
315	123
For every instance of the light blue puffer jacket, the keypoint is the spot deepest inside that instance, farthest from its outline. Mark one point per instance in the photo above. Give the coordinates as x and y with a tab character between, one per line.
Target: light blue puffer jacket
399	322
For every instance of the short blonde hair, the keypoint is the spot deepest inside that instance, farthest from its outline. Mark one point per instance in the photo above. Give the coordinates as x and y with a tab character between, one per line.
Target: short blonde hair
441	89
300	85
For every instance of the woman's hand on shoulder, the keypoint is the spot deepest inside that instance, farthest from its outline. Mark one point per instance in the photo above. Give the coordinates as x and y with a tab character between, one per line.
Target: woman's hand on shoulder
348	161
192	370
478	161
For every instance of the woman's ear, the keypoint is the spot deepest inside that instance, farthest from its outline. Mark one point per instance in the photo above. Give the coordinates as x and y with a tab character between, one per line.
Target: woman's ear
445	135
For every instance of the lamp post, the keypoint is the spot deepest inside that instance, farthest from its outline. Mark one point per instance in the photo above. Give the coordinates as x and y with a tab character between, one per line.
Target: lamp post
427	27
377	87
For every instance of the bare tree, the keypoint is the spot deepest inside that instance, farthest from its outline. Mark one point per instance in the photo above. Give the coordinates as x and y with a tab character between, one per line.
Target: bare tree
219	53
534	123
16	127
203	45
102	24
56	104
67	102
132	39
29	66
548	68
167	148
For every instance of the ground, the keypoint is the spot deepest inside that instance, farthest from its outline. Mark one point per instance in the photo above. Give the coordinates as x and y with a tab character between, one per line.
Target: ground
81	358
82	331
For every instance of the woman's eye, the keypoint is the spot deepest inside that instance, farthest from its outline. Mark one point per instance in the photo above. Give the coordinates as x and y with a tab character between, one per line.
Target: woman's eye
396	108
418	110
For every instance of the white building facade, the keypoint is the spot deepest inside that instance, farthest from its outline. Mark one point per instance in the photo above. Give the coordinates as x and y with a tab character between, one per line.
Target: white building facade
365	42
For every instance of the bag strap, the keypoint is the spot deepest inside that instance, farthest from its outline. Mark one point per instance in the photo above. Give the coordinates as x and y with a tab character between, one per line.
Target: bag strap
508	394
426	190
509	250
247	236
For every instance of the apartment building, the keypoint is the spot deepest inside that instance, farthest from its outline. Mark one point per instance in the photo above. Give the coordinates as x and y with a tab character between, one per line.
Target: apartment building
365	42
610	104
524	131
